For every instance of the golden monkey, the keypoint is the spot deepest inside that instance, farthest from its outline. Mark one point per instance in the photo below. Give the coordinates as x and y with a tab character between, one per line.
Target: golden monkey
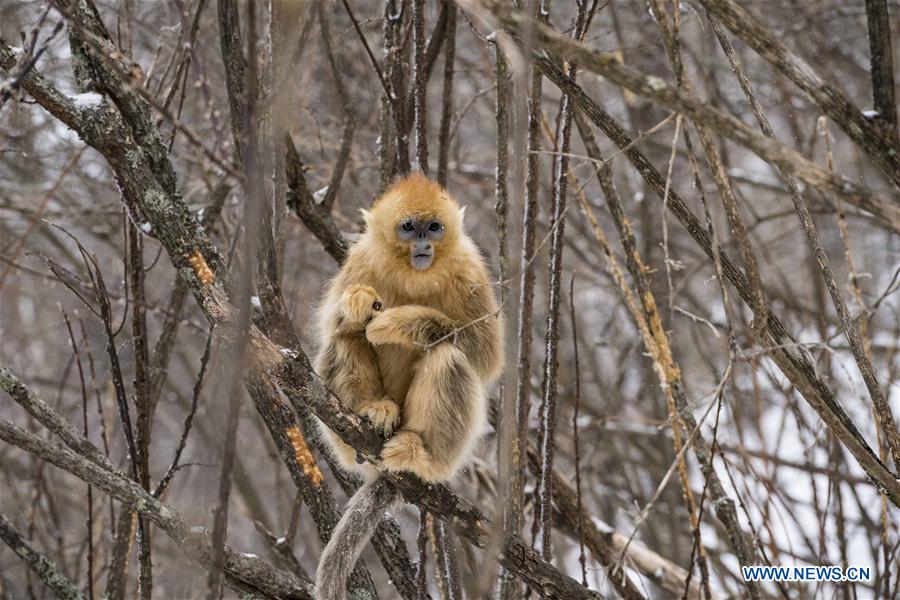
437	341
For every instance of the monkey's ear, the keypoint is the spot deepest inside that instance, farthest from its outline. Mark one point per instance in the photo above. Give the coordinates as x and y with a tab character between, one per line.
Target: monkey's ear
462	213
367	216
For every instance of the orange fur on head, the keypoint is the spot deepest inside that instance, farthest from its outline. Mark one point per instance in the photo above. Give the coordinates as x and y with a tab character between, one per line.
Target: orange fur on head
414	196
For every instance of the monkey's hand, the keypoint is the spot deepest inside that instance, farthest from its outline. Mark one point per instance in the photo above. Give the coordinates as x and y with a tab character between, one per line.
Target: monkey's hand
409	325
359	305
384	414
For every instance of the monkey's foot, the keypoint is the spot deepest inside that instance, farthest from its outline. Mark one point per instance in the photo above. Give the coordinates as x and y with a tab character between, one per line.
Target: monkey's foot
359	304
405	452
384	414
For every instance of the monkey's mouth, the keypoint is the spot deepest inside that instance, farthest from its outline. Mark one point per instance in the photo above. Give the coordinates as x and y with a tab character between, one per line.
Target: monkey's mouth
422	260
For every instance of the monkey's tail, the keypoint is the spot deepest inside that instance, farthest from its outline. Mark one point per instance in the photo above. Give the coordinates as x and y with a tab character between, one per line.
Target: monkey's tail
356	527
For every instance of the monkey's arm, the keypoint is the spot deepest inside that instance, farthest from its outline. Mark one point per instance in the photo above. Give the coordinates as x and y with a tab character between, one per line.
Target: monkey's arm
410	325
479	334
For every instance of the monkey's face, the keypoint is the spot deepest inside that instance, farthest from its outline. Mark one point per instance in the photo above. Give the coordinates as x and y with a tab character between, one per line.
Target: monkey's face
420	234
417	225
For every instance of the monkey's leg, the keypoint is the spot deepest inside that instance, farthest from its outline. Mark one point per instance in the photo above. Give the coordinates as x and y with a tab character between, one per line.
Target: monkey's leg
361	386
444	415
350	369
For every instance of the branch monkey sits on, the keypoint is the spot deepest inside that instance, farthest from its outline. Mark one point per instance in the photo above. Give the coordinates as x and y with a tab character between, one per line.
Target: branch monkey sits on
410	335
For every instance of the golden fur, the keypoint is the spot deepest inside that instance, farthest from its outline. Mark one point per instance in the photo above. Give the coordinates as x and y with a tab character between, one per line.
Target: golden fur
421	364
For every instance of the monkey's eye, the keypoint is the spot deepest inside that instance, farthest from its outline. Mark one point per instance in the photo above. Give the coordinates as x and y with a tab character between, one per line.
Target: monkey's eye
376	306
407	226
435	226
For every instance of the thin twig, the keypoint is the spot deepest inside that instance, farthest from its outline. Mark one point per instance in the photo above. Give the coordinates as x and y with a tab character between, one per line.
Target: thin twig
85	431
419	110
579	527
188	421
447	95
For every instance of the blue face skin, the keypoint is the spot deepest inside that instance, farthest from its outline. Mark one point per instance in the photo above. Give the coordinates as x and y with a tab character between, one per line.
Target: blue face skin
420	233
